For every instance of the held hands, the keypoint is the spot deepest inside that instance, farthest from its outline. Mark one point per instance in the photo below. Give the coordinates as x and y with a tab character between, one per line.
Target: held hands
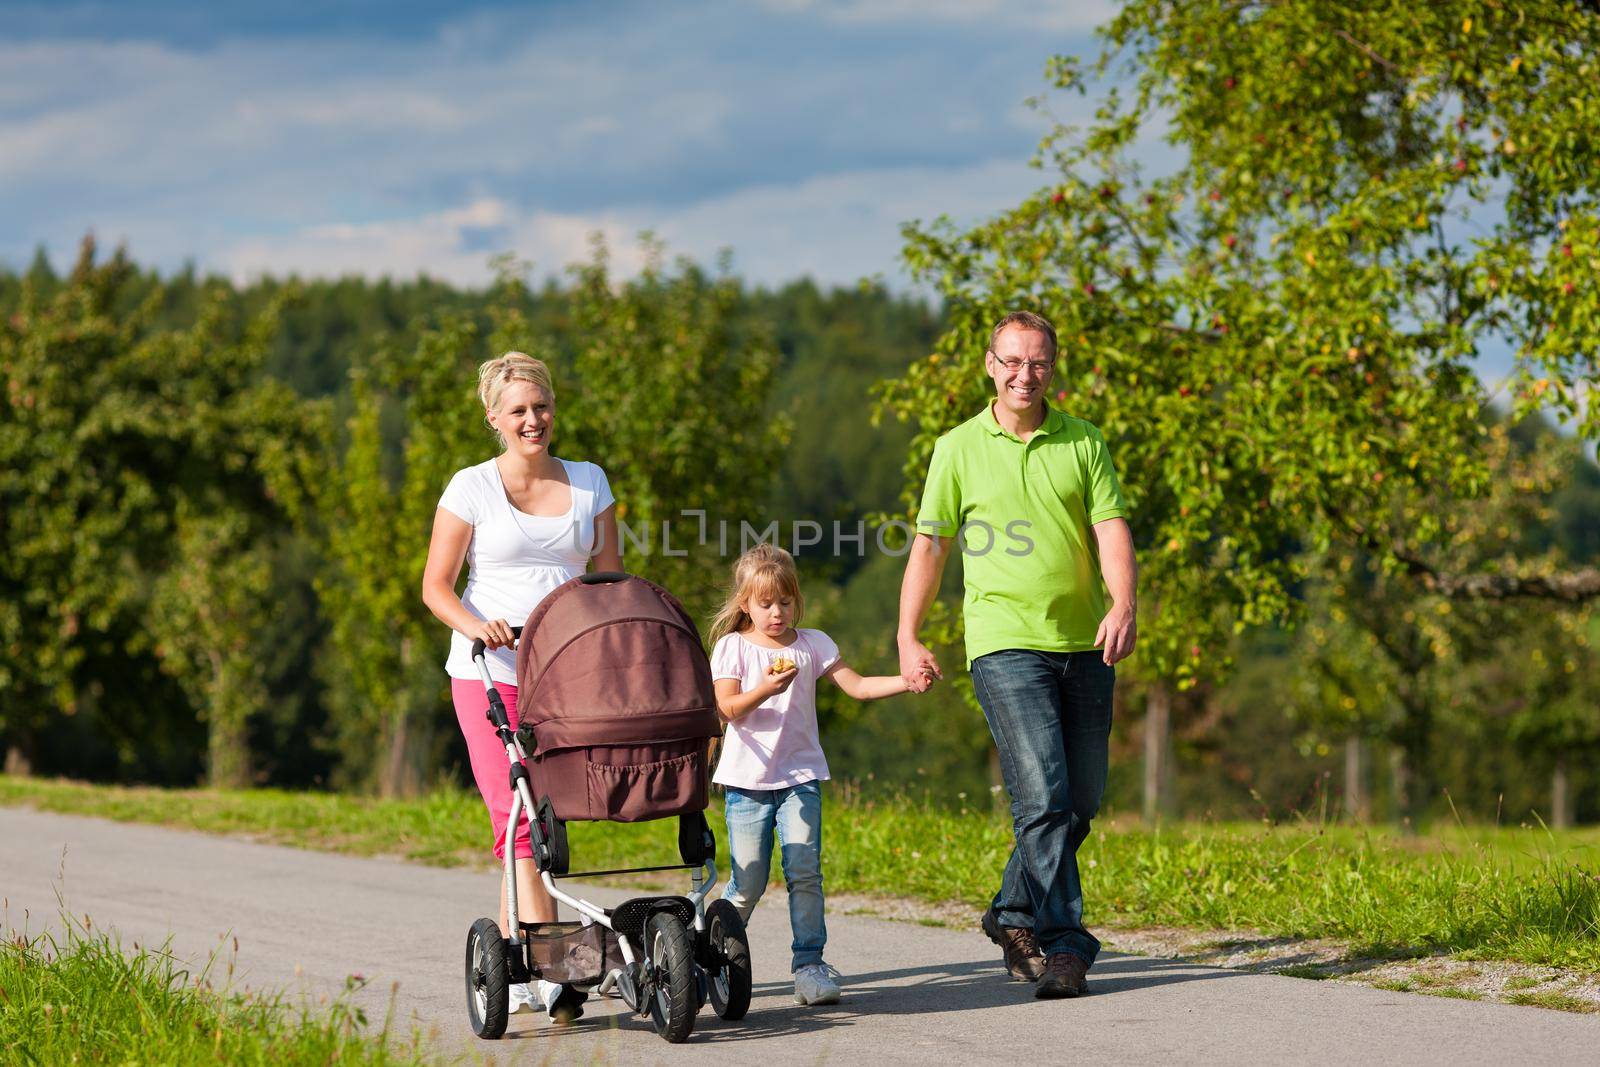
918	666
1117	634
496	633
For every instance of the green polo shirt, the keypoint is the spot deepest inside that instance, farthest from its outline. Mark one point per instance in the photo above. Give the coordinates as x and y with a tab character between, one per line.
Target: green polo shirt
1024	512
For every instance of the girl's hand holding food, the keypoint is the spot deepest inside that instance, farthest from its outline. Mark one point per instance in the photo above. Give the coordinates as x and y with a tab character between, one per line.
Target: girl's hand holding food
781	673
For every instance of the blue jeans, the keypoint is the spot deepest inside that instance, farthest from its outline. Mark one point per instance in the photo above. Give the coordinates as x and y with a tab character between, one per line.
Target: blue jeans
795	813
1050	714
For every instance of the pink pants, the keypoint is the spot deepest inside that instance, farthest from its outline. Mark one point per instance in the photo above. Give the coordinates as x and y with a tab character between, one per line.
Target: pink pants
490	768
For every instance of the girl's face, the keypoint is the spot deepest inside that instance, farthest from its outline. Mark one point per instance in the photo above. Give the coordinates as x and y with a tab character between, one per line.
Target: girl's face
770	613
524	418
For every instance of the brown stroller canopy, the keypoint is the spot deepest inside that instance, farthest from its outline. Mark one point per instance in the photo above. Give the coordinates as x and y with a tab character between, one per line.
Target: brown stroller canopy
613	662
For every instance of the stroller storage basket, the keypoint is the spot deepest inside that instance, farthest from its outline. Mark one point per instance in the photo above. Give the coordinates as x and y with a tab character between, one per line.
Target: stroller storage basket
572	953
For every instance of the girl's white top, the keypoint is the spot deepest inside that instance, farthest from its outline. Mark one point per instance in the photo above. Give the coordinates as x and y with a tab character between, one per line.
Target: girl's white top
515	559
775	745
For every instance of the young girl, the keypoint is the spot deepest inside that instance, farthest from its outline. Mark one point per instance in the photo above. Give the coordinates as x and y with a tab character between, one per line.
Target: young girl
766	675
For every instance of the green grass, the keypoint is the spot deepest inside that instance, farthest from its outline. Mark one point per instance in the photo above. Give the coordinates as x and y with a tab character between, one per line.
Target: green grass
1520	894
1456	994
1559	1001
81	999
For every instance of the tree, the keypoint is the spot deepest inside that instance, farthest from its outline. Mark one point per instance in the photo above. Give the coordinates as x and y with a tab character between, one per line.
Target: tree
1385	655
1544	678
115	437
386	650
1276	333
211	607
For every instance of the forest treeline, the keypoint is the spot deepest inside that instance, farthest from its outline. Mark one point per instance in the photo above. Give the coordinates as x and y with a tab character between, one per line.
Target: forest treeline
218	497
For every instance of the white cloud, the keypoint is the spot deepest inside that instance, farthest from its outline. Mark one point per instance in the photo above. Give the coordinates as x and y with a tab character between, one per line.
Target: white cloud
835	229
838	228
453	245
715	125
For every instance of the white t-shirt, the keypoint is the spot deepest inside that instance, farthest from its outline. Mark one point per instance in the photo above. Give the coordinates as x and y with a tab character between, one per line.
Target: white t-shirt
776	744
515	559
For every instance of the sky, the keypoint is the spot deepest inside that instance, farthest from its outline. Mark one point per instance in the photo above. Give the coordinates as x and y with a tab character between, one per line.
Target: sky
399	138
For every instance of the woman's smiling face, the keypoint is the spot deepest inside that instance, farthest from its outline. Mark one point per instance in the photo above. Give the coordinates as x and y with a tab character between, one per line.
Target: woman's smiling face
525	418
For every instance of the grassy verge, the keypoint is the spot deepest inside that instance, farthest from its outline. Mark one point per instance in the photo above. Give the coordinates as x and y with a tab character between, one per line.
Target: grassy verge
81	999
1519	894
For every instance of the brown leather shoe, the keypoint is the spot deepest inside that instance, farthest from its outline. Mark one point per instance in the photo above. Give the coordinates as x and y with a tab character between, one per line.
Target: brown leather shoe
1065	975
1024	961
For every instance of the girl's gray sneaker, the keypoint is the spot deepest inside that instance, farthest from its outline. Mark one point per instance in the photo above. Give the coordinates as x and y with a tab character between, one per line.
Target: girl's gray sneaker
816	983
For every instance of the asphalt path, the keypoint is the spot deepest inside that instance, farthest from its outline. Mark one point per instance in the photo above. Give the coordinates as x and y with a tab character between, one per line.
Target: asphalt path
306	921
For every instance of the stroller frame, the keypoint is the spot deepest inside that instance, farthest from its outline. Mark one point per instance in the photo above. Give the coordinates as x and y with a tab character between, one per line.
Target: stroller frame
675	951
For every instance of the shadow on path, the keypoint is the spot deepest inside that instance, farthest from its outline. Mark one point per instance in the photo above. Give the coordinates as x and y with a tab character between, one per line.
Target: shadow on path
934	989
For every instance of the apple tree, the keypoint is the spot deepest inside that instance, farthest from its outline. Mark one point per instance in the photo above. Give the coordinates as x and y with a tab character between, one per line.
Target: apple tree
1273	257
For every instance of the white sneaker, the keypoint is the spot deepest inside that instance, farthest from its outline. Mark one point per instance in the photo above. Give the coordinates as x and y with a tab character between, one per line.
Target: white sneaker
816	983
523	998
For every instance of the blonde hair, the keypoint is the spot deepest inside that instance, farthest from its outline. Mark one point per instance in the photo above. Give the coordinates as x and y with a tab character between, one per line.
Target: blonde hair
765	570
495	374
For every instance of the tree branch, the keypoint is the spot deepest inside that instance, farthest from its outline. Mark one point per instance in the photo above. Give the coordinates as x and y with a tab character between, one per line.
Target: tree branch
1572	587
1365	50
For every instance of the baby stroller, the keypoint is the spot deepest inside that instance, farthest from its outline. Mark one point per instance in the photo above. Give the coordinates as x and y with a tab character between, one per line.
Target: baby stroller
616	712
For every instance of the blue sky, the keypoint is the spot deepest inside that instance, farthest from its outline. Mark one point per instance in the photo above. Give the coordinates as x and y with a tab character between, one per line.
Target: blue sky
401	137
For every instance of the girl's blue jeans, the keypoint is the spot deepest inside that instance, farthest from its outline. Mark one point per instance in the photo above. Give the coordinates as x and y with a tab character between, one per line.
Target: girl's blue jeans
795	813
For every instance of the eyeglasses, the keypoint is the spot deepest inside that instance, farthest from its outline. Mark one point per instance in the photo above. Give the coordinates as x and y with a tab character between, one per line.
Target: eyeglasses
1037	366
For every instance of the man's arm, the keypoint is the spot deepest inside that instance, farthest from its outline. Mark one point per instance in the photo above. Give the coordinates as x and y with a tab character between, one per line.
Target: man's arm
1119	629
924	569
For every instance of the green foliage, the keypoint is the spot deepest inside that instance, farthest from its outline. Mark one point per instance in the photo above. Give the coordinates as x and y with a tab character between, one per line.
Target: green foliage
659	382
1277	335
841	464
122	446
1382	657
385	683
212	605
80	998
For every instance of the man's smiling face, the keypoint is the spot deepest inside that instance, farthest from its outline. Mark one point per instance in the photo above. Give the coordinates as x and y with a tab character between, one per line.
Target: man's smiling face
1020	365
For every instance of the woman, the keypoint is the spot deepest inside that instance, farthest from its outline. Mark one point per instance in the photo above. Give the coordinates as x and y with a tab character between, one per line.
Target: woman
525	522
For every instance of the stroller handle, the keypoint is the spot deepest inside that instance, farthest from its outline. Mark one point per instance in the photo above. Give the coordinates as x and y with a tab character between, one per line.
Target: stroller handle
478	646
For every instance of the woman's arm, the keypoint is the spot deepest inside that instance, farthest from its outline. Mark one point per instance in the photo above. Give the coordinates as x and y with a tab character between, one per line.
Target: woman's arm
446	550
874	687
735	705
608	548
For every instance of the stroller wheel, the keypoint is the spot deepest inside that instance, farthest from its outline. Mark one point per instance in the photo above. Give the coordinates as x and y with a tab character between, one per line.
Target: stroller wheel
730	985
672	994
488	980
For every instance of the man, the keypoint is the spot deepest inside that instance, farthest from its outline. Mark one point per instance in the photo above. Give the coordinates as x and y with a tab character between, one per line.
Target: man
1032	495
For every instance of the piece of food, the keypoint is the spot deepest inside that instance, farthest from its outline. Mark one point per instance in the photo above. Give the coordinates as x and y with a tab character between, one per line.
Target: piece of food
780	664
